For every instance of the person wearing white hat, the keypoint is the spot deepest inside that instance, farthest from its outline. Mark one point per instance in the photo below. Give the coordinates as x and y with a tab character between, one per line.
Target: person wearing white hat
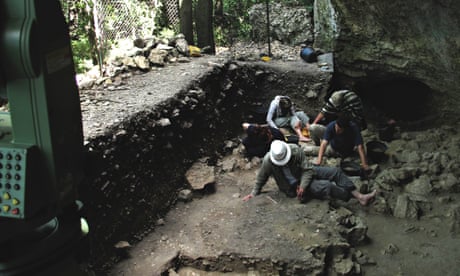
296	176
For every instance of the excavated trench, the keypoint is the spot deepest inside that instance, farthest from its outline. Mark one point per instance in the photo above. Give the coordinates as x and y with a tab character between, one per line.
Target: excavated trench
135	170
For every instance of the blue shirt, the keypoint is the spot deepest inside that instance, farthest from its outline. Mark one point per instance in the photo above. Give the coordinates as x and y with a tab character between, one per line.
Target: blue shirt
345	142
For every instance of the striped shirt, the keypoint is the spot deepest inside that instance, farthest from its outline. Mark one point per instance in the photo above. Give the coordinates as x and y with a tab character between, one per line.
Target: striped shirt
345	102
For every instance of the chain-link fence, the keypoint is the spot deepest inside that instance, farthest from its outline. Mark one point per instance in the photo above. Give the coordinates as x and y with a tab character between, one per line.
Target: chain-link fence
115	20
120	19
172	13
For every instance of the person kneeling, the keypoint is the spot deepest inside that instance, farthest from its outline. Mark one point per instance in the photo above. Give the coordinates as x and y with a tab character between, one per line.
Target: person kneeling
296	176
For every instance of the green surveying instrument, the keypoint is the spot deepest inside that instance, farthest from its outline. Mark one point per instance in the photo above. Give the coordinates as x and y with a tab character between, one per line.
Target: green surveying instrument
41	140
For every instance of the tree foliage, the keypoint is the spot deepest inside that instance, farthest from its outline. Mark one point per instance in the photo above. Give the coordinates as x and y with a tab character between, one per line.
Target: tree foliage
235	21
80	22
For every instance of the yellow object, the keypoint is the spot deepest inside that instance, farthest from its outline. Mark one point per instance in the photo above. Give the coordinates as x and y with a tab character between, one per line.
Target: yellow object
305	132
194	51
266	58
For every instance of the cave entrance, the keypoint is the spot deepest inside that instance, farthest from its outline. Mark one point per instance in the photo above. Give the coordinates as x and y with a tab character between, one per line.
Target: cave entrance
400	99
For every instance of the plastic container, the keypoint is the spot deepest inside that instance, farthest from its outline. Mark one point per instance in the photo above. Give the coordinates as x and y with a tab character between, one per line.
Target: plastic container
350	168
386	132
376	151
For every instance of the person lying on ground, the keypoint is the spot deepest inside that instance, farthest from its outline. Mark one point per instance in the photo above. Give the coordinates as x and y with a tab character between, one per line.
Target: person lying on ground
258	138
343	138
282	114
296	176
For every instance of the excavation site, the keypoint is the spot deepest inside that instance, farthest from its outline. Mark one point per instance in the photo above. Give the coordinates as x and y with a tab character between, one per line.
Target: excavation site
229	138
167	174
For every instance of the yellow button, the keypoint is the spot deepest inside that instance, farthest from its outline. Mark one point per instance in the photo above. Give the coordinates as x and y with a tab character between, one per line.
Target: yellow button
6	196
15	201
6	208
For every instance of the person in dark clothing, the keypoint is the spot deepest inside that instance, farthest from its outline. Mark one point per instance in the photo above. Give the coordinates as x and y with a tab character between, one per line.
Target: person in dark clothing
344	138
258	139
295	175
343	102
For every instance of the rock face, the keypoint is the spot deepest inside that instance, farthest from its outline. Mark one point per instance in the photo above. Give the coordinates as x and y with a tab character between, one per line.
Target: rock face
289	25
374	41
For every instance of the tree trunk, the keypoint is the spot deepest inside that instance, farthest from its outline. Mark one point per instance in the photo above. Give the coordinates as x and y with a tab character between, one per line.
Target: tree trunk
186	20
204	27
218	11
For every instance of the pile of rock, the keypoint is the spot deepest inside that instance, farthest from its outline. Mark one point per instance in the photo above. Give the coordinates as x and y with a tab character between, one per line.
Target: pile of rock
140	55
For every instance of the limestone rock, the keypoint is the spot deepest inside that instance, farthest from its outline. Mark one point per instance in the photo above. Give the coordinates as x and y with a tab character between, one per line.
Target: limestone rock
344	267
157	57
420	186
405	208
200	175
142	62
185	195
423	50
455	223
289	25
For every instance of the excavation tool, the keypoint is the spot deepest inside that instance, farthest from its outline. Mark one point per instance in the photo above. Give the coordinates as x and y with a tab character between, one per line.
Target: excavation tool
264	56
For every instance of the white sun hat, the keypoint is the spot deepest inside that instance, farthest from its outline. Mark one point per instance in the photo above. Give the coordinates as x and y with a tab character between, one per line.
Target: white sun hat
280	153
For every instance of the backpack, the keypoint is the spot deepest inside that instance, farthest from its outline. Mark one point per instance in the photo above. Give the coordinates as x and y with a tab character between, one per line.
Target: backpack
308	54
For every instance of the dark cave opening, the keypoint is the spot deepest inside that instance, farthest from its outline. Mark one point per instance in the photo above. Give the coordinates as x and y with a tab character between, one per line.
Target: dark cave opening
399	99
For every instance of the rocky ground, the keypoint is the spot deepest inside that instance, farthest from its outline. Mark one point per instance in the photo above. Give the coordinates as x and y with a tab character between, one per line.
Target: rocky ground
412	227
275	235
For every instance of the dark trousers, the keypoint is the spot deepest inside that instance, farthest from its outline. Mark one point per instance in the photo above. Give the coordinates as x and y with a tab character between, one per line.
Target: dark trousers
331	182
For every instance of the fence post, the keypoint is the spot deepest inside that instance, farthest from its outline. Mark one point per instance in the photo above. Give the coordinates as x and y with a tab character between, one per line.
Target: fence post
268	28
98	32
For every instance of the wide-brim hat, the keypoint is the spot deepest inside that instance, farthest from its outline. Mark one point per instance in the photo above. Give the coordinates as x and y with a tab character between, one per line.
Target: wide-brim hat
280	153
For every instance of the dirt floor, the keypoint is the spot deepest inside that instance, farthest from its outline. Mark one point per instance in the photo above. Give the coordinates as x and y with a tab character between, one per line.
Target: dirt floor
271	234
273	227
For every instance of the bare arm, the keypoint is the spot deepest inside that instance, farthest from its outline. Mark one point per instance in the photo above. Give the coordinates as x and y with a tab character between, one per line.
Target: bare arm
262	176
322	150
362	157
318	118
